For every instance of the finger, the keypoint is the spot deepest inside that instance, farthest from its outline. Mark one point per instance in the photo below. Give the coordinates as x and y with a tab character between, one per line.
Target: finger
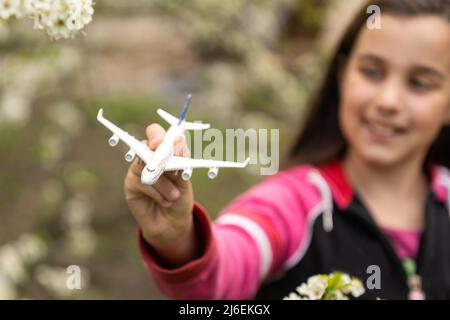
180	145
186	152
179	139
155	135
177	180
167	188
182	151
178	150
135	189
137	165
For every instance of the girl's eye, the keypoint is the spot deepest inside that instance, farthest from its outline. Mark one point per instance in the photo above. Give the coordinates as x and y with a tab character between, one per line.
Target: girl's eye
420	84
371	73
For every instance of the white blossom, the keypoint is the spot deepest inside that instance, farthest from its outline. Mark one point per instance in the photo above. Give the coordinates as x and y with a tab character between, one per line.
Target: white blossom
14	107
294	296
61	19
11	264
335	286
337	295
41	5
81	241
77	213
346	280
9	8
314	288
16	8
15	258
7	289
67	117
25	8
354	287
31	248
53	278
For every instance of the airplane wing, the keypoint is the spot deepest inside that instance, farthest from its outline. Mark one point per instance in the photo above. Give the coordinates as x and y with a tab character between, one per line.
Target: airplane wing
141	149
180	163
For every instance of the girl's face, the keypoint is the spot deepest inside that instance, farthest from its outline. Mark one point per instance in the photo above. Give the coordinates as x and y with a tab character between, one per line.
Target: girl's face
395	89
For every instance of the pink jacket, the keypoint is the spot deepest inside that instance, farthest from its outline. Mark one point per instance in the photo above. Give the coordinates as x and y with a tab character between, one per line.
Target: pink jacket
263	233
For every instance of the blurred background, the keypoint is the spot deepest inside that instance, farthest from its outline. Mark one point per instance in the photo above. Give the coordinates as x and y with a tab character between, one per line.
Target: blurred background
249	64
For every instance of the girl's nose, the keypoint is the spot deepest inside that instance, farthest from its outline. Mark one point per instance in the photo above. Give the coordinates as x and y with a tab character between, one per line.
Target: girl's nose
390	99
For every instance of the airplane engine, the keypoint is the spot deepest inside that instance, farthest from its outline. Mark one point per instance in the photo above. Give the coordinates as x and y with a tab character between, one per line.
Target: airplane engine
113	141
212	173
186	174
129	156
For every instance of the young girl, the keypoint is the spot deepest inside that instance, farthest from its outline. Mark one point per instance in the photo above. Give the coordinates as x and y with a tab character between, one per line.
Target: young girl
367	190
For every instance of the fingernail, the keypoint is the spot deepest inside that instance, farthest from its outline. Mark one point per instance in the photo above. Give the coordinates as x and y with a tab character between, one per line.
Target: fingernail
174	194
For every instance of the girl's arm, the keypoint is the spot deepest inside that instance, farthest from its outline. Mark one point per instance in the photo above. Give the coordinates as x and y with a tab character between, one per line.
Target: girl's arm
254	237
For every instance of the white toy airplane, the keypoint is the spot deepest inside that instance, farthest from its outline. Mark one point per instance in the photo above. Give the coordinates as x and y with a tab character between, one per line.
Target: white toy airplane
163	159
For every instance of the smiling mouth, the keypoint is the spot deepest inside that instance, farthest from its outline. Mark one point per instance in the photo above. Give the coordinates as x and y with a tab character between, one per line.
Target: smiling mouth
382	131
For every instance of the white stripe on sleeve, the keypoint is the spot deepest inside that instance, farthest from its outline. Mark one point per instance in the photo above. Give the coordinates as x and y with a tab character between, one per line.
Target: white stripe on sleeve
258	235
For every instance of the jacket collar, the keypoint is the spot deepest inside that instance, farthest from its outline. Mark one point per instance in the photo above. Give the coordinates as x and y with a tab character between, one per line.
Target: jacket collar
342	190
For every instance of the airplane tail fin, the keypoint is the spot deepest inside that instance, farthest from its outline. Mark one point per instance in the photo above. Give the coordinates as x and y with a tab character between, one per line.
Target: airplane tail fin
185	107
173	121
180	121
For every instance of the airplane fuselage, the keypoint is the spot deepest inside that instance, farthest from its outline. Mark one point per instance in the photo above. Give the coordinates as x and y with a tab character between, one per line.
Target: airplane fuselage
155	168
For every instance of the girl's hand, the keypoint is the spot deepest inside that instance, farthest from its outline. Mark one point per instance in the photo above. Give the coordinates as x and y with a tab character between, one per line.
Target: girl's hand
163	210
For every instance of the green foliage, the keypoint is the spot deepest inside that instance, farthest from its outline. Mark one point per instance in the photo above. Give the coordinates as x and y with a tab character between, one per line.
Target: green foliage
11	186
80	178
122	108
261	97
10	136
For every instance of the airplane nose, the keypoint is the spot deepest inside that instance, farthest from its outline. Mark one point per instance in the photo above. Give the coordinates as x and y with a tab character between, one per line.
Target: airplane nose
147	179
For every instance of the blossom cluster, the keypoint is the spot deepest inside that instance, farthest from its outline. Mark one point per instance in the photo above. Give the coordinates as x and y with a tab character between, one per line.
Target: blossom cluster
61	19
335	286
15	258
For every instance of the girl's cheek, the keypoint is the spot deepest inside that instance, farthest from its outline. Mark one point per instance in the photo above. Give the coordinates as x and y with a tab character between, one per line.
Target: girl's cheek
357	97
429	115
350	112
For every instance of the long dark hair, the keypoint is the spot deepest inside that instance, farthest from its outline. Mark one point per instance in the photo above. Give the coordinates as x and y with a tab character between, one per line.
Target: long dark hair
320	140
